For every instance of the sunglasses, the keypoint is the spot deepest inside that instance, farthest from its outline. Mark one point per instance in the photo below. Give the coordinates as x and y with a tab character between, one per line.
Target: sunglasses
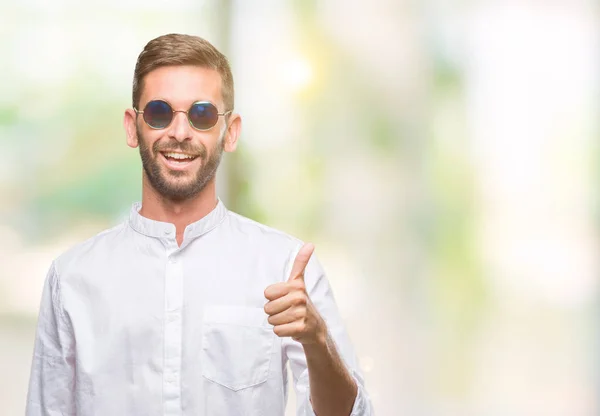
202	115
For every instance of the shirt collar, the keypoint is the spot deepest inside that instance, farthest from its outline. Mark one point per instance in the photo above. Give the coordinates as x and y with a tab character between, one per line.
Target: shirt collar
161	229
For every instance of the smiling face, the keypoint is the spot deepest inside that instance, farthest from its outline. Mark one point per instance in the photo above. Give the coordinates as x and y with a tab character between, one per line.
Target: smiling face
180	161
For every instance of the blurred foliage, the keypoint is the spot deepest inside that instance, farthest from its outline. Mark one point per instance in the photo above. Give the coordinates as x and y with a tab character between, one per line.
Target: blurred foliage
86	138
8	115
440	217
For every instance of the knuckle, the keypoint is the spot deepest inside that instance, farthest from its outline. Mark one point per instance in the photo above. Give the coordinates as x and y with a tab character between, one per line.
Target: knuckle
300	312
300	300
296	284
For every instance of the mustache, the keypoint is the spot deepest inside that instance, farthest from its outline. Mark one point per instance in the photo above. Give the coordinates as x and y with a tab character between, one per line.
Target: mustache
184	147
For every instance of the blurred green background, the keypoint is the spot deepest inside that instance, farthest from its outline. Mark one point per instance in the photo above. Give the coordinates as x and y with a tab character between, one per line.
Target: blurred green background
443	156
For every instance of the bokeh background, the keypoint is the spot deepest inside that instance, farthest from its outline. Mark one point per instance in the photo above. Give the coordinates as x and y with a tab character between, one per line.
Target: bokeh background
442	155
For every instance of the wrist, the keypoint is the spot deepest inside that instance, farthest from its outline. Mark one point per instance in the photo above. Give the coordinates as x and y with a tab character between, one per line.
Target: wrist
320	342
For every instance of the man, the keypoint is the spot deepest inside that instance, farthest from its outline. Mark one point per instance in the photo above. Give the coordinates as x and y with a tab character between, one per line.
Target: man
188	308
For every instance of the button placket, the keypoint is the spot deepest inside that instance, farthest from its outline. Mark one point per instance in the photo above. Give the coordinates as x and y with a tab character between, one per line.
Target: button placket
172	334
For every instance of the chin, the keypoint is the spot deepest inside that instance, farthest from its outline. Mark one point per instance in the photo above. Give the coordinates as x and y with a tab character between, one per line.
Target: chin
182	190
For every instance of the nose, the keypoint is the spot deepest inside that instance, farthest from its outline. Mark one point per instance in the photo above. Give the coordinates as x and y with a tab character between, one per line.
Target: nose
180	128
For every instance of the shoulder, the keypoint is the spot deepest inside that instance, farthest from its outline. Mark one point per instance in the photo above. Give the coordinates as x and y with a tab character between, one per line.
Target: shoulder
276	242
261	232
87	251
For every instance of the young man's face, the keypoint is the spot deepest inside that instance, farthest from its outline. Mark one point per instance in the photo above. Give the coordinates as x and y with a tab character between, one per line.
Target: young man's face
179	160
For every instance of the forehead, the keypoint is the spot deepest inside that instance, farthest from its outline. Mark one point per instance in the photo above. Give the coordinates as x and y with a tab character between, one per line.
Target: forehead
182	85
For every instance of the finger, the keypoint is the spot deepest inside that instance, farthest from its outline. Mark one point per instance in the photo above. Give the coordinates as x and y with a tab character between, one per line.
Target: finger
277	290
285	302
293	314
292	329
301	261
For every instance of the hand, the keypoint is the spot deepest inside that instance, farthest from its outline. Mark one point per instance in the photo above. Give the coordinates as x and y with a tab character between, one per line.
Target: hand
290	310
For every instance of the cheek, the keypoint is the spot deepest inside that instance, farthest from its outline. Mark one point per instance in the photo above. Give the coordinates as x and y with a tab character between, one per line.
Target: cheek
211	141
222	131
220	143
151	141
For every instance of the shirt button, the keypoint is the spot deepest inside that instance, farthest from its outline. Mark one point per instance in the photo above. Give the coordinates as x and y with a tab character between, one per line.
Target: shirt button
172	318
172	260
167	232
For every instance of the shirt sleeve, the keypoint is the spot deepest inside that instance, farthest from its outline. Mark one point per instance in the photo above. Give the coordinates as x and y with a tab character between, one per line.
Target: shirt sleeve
321	295
52	379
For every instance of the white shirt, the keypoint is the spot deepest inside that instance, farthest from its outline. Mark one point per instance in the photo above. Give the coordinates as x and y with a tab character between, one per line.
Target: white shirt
132	324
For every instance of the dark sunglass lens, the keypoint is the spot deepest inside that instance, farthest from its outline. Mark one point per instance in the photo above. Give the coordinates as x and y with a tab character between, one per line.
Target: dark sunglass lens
158	114
203	115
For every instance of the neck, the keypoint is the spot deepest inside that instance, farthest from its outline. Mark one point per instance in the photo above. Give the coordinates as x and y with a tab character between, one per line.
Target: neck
180	213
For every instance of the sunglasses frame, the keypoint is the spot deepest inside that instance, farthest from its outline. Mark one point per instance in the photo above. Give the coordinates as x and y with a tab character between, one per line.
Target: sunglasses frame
187	113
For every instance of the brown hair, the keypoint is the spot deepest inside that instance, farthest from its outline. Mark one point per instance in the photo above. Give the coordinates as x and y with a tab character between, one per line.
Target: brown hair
176	49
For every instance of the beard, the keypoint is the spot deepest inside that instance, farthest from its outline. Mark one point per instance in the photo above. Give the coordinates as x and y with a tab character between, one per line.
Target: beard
172	184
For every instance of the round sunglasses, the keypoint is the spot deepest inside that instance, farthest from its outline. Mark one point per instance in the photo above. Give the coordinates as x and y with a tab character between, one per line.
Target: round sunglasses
202	115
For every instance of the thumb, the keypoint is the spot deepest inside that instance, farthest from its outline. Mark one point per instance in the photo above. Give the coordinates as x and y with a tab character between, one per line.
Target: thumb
301	261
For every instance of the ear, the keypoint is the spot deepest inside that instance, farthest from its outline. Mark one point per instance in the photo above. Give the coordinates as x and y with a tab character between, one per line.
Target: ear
129	122
233	132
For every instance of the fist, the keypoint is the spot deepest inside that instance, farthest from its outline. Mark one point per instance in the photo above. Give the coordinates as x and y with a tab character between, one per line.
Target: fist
290	310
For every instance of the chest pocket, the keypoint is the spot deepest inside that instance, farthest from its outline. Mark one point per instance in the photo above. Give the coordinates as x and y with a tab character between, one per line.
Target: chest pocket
237	345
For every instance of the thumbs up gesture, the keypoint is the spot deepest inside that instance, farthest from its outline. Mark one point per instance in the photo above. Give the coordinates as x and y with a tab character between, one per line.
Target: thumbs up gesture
290	310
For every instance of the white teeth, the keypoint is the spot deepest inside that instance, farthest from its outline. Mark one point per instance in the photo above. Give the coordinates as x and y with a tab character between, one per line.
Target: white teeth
179	156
